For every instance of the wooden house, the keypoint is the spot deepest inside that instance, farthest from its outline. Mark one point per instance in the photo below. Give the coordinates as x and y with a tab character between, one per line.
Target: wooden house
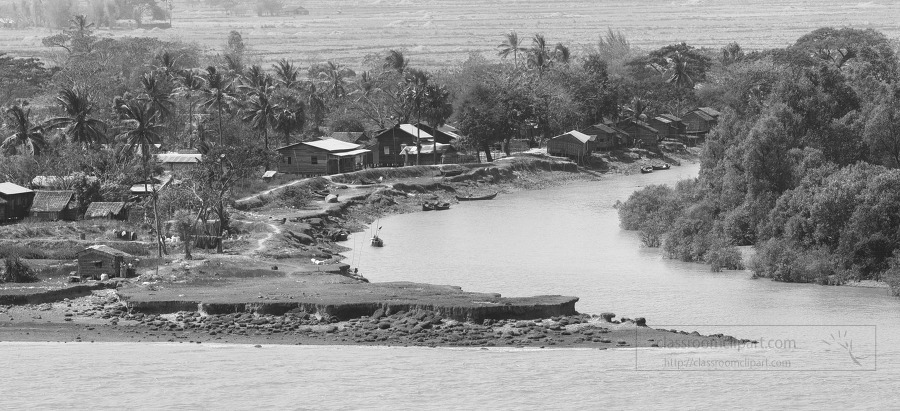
607	136
97	260
641	132
700	121
15	201
388	143
53	205
322	157
106	210
178	162
573	144
668	126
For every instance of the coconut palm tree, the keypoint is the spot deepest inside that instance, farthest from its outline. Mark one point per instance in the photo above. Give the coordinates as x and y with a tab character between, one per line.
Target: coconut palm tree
260	114
289	116
414	96
287	73
28	138
395	61
155	92
334	76
189	85
437	109
538	54
316	106
511	45
143	130
218	93
677	71
77	123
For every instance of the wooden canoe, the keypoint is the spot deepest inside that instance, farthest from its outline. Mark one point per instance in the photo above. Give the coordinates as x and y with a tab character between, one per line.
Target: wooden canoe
487	197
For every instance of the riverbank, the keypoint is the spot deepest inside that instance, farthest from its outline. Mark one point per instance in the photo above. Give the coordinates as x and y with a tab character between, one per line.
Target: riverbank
284	269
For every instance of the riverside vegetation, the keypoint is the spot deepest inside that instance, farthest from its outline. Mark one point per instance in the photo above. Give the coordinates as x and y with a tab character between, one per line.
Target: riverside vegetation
803	166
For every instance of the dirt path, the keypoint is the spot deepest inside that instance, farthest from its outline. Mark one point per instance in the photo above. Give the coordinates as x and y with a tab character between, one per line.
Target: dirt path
273	189
261	243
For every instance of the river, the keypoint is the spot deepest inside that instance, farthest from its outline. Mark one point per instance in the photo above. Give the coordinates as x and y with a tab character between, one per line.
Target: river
563	240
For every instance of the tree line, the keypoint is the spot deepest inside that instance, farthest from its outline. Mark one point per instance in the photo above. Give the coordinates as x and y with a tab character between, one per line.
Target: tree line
803	165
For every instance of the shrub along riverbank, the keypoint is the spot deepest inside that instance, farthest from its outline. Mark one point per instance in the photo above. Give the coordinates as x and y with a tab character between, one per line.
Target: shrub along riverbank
803	168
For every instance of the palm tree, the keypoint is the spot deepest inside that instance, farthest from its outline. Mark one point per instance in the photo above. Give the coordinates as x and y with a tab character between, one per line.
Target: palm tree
511	45
677	71
77	123
316	105
414	94
395	61
538	56
29	138
255	78
218	93
143	130
561	53
287	74
288	116
260	114
155	93
334	76
438	108
189	85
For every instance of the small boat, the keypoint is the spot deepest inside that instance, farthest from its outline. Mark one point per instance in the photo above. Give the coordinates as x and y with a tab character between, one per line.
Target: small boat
487	197
376	240
646	169
428	206
661	167
441	206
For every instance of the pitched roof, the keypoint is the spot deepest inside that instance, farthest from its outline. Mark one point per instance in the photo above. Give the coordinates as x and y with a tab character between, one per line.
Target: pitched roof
159	182
702	114
106	249
604	128
178	158
53	181
99	209
332	144
51	201
415	131
670	117
12	189
584	138
711	111
327	144
349	136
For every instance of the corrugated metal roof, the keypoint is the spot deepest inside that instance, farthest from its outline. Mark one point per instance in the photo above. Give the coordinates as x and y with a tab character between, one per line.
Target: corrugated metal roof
415	131
662	119
106	249
604	128
711	111
99	209
352	153
702	114
51	201
670	117
269	174
584	138
331	144
178	158
12	189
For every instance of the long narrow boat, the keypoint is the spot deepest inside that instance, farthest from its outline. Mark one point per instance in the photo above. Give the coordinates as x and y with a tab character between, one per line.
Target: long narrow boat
442	206
427	207
646	169
487	197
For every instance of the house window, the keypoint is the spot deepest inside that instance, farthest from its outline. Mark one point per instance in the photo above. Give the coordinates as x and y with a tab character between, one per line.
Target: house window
387	150
314	160
289	160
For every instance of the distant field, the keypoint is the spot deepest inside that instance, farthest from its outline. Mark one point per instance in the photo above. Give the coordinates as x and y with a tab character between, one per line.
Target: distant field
436	33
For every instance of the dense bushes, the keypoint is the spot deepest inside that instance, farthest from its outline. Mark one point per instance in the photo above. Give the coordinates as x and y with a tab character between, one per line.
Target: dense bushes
16	271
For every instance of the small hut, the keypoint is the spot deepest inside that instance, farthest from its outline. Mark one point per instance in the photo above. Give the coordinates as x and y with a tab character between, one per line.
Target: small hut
97	260
573	144
106	210
14	201
52	205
